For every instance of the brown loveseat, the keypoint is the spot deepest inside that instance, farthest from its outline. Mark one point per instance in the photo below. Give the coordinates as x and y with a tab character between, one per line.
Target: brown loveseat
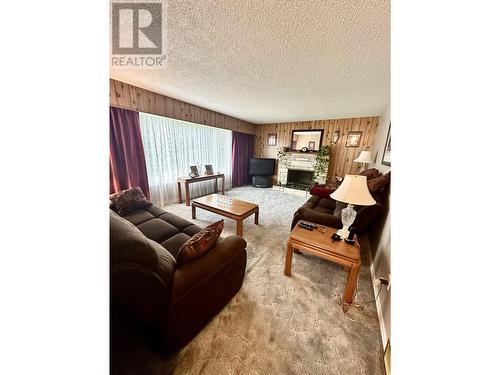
146	283
327	211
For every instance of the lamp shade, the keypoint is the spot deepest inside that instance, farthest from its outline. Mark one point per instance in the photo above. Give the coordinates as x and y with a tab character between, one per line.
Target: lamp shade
353	190
364	157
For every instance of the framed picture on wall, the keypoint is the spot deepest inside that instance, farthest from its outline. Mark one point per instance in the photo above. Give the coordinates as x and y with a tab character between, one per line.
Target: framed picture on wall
353	139
272	139
386	159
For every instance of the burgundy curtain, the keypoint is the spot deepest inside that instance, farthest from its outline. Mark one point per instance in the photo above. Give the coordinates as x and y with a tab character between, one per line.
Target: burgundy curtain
127	165
243	148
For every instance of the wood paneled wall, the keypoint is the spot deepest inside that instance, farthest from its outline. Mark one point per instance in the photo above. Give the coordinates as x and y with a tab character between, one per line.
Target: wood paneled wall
131	97
342	158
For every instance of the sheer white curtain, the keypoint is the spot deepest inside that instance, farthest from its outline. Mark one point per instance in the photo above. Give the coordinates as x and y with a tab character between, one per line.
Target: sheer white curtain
171	146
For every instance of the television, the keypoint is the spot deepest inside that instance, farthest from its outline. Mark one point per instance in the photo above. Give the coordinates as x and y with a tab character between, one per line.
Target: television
262	167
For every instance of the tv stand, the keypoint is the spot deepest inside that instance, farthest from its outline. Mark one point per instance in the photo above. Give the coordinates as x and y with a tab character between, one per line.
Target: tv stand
262	181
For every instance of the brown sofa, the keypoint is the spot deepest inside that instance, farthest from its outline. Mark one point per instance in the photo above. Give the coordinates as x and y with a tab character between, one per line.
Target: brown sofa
327	211
173	302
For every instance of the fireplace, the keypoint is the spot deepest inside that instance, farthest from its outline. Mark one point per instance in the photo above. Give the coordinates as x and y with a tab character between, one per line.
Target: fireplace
299	179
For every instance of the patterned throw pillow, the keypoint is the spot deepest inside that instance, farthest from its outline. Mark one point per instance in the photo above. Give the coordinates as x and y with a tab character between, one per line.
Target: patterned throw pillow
127	201
200	243
378	183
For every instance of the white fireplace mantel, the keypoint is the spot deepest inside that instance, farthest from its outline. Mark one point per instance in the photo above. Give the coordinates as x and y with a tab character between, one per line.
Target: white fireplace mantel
303	162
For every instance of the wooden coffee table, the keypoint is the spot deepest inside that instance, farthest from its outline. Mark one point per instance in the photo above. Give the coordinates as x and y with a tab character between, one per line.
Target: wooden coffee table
321	244
235	209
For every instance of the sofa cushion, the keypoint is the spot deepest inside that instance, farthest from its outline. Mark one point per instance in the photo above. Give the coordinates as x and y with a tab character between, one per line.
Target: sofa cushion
378	183
139	216
323	210
129	245
175	220
166	228
192	230
312	202
200	243
155	210
328	204
174	243
129	200
158	230
370	173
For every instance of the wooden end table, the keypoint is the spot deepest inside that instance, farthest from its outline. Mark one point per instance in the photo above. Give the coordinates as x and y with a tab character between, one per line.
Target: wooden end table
321	244
186	181
236	209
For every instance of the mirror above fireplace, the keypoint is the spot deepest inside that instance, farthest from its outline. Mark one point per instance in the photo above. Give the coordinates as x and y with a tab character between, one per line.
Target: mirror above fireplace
306	140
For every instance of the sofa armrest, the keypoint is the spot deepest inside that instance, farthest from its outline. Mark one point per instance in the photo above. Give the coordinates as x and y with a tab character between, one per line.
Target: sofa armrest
138	291
196	272
365	217
201	288
309	214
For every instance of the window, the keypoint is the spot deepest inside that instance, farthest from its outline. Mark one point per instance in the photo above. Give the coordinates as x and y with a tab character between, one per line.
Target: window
172	146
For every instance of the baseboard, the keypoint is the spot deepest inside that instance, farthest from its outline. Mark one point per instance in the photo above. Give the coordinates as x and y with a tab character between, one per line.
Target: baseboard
383	333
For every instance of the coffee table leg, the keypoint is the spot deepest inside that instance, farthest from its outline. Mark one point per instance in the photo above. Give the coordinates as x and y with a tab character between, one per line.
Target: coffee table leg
193	211
350	287
239	228
256	221
288	259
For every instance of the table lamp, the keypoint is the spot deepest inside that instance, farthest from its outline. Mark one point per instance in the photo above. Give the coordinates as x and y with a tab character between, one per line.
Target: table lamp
352	190
364	157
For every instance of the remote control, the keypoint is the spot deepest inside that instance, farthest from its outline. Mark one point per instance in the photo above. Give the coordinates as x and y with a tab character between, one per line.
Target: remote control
305	226
311	224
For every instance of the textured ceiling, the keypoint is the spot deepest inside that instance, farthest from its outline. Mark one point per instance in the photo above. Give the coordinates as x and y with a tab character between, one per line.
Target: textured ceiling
275	61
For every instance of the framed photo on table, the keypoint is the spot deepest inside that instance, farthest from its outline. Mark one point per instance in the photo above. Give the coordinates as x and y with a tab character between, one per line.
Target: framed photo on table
209	170
272	139
386	158
194	171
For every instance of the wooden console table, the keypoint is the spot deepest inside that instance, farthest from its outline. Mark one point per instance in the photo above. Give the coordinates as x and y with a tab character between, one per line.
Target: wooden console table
189	180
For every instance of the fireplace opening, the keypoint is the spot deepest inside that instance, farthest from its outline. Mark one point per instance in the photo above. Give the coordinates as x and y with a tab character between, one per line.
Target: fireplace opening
299	179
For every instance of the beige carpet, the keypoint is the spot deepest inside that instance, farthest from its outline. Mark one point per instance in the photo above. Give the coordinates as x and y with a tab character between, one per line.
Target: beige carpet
276	324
